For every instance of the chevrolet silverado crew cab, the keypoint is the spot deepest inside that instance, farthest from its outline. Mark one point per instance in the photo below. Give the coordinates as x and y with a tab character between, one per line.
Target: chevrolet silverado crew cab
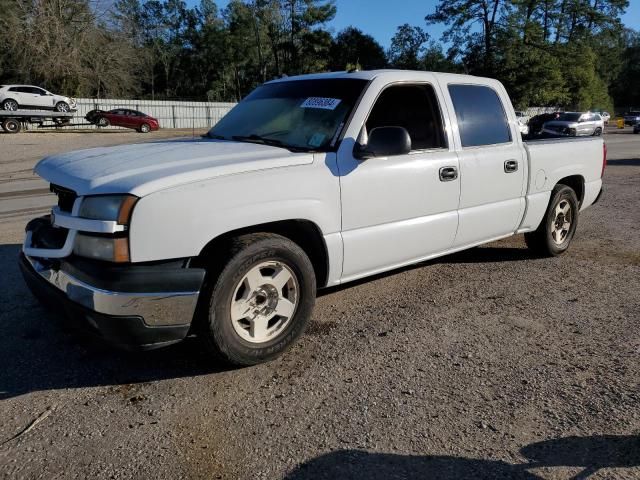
309	182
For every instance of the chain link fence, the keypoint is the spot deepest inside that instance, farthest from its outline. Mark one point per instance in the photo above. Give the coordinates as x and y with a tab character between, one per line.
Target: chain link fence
170	114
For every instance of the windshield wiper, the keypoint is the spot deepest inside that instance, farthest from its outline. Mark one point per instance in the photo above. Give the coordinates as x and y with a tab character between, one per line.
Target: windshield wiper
272	142
258	139
214	136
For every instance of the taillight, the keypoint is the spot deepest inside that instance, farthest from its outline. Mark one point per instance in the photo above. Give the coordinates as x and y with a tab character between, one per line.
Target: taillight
604	158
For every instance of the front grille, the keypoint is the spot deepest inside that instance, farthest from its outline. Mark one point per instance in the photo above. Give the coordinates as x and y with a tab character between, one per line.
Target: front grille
66	197
45	235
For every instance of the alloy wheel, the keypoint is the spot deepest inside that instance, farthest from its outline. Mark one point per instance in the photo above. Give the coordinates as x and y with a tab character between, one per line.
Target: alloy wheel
264	302
563	216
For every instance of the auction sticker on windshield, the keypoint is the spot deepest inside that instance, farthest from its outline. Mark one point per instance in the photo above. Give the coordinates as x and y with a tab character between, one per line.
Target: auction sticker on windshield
321	102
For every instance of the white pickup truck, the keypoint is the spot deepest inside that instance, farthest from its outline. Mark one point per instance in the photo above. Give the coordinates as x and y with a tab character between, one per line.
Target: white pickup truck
310	182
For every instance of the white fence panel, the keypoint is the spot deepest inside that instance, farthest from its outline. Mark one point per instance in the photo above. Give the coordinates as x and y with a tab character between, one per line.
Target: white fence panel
170	114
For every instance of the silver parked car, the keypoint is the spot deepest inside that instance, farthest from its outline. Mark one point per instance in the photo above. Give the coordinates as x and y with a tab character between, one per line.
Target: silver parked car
575	124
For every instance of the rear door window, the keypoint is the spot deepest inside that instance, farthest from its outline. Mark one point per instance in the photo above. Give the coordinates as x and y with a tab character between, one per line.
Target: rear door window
482	119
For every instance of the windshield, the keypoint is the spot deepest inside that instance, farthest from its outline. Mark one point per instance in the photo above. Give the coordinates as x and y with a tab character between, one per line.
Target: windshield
298	114
570	117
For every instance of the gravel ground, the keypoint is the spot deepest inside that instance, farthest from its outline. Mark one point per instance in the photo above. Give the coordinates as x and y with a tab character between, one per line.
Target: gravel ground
484	364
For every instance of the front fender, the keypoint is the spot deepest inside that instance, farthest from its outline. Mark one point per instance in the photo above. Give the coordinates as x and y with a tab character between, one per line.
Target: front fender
179	222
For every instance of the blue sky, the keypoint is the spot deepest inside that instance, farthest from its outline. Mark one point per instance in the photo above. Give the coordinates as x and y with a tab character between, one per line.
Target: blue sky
380	18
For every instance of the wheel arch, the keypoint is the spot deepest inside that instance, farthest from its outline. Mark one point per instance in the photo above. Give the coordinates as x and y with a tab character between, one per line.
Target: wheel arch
576	182
305	233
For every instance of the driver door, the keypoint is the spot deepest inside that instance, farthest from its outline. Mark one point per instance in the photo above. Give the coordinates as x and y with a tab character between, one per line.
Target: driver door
399	209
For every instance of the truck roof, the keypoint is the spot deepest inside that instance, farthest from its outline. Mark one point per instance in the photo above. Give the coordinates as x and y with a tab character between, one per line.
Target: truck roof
372	74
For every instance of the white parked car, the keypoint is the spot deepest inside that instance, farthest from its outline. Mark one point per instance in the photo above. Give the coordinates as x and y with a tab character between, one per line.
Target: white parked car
29	97
309	182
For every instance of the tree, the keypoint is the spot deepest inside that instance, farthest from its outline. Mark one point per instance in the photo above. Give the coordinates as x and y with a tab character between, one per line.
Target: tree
462	16
354	49
626	88
434	60
407	46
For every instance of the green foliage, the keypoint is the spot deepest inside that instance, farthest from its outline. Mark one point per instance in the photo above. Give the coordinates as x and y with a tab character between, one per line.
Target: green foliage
352	49
572	54
566	53
407	46
626	87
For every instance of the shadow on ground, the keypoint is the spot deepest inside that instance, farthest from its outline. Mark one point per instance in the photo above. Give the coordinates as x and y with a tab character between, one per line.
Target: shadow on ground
40	351
586	454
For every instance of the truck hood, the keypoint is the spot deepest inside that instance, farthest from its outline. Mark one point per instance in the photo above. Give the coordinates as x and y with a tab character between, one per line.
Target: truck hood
144	168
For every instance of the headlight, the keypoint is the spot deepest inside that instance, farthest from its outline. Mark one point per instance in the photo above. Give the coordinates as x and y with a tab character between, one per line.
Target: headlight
116	208
109	249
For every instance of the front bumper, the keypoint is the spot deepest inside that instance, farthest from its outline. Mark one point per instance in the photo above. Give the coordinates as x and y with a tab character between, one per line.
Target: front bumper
132	307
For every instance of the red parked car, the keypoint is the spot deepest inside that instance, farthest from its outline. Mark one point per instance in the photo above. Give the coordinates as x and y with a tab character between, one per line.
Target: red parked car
123	117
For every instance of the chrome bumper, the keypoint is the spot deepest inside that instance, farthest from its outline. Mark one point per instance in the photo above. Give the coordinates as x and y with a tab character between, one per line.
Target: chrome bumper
156	308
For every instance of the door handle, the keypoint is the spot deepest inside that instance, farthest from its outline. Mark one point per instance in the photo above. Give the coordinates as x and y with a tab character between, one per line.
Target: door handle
448	174
510	166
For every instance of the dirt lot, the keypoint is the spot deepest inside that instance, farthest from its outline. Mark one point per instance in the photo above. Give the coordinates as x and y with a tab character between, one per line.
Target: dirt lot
485	364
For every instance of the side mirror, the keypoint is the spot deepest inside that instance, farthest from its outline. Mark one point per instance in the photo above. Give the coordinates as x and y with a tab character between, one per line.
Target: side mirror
384	142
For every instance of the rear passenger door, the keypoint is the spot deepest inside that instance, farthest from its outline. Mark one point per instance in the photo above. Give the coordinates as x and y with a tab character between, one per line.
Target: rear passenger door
21	95
117	118
492	164
398	209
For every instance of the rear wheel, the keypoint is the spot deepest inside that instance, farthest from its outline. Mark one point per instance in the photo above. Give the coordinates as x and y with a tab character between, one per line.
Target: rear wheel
260	302
62	107
10	105
145	128
102	122
558	226
11	126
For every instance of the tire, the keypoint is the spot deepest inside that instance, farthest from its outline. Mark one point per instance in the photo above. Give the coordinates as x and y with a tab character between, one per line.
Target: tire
103	122
249	283
554	235
10	105
12	126
145	128
597	132
62	107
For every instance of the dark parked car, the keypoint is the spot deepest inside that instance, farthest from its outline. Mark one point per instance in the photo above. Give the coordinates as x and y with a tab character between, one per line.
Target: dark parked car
632	118
123	117
636	128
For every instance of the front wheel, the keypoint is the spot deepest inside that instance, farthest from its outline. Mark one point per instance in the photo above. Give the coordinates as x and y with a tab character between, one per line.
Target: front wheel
103	122
145	128
260	302
554	235
598	132
62	107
